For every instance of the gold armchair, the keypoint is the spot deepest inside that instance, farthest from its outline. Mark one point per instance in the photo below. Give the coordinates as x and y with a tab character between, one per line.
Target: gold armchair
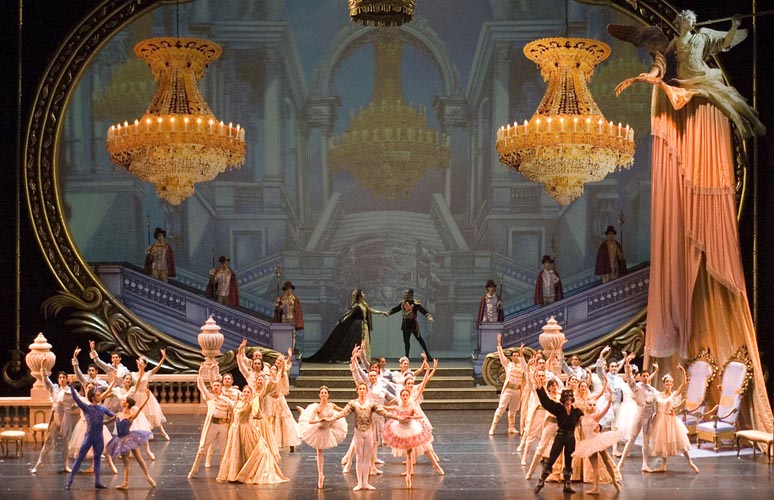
720	423
701	370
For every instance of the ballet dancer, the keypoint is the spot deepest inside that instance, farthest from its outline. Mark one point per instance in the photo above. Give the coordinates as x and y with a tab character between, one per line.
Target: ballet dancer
94	414
319	433
128	442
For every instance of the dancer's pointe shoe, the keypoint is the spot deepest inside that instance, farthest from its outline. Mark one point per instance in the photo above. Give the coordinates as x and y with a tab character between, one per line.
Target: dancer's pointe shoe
617	485
369	487
439	470
100	486
151	456
113	469
207	464
524	460
151	482
68	470
645	468
408	481
320	482
375	471
403	473
164	434
123	486
344	460
693	467
34	470
595	491
357	488
379	461
491	431
346	468
90	470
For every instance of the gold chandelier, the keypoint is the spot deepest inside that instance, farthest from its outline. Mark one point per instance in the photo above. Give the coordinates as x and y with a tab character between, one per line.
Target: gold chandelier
568	142
178	142
388	146
381	12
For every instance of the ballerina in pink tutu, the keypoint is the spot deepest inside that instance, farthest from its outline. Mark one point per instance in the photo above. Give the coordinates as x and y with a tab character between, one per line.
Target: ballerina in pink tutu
594	443
409	435
128	442
668	434
319	433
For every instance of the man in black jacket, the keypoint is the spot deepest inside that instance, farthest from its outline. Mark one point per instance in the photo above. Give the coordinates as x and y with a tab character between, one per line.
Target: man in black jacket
410	307
567	419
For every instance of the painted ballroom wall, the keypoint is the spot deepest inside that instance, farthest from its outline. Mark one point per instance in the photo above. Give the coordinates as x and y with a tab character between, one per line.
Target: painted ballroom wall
294	73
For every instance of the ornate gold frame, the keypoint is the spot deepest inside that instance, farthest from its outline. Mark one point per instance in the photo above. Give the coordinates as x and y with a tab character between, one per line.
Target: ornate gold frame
85	302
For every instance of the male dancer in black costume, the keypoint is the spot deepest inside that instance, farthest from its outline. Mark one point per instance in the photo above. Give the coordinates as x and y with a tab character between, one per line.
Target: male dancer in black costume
567	418
410	307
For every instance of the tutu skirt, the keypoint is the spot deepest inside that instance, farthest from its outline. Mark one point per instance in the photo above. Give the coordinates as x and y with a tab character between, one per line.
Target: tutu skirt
668	436
598	442
407	435
322	435
121	445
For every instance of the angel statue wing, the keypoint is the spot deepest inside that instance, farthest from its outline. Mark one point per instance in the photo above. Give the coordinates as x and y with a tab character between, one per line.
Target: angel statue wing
650	38
656	42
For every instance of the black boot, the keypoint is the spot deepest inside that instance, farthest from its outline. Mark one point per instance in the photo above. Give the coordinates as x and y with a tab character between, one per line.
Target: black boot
542	480
568	482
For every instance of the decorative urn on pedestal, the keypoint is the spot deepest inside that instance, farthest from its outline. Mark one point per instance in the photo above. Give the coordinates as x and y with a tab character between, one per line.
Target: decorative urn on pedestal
210	340
551	340
40	357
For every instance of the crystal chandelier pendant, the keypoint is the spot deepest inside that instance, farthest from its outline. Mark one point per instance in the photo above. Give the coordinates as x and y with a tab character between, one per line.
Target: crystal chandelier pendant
178	142
568	141
381	12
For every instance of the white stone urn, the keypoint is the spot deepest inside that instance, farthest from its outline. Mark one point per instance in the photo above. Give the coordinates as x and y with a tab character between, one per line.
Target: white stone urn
40	357
210	340
551	340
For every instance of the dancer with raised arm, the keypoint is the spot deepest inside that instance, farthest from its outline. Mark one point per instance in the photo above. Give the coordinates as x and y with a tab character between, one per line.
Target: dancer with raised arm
510	395
60	422
94	413
128	442
567	419
645	396
152	410
318	432
668	435
216	423
242	438
115	371
594	443
409	435
364	411
79	431
548	433
277	410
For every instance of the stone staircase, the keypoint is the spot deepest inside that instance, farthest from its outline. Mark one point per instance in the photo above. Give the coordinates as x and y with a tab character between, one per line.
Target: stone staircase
452	388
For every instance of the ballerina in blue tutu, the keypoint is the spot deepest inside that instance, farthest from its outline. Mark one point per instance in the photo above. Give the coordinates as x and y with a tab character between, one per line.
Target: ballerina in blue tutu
128	442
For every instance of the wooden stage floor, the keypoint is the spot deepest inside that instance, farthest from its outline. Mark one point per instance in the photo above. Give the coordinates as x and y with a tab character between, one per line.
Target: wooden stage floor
477	467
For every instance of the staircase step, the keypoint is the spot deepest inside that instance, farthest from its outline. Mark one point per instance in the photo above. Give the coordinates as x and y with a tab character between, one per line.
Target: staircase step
347	393
312	381
340	369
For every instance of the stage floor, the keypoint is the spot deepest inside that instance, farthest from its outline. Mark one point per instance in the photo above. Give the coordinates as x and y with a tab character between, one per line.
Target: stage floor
477	467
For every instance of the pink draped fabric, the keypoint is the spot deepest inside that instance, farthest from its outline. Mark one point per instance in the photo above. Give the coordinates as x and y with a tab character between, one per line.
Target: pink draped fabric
697	293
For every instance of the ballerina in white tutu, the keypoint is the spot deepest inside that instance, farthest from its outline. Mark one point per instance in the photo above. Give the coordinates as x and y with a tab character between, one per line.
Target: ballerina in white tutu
408	435
668	435
594	443
152	410
127	442
320	433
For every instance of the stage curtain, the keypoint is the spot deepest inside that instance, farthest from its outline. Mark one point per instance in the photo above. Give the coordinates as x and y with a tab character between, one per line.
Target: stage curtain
697	296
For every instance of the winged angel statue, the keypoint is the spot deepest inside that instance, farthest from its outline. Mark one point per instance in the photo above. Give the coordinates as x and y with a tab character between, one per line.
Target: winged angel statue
694	77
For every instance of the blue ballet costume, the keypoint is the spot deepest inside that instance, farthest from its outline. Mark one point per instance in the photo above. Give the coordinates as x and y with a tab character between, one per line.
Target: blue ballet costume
94	415
126	440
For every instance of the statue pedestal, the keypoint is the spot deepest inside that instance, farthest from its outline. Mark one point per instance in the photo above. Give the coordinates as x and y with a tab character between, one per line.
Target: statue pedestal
487	343
282	340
